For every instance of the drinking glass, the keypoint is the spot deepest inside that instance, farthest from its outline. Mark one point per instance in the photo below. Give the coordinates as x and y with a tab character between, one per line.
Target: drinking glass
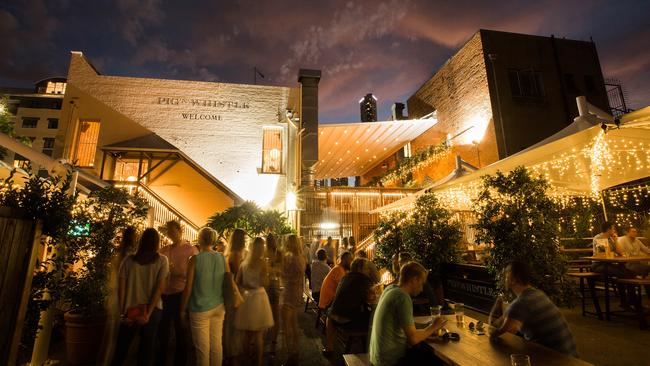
436	311
459	309
519	360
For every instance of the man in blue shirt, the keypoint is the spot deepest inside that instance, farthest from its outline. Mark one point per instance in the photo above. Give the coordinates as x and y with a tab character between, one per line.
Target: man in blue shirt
533	314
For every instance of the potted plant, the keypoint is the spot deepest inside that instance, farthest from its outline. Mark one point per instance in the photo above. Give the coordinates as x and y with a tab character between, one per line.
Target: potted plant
519	221
250	217
96	222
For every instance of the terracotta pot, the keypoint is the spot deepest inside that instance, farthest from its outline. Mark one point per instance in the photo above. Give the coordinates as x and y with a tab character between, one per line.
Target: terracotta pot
83	338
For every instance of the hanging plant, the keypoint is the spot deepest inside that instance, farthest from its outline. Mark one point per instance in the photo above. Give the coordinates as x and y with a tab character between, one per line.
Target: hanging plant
421	159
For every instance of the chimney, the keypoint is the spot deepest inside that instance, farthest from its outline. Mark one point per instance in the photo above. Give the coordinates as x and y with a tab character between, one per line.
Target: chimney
308	80
397	110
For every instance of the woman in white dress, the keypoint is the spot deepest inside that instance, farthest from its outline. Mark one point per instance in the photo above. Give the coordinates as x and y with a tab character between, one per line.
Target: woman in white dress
254	316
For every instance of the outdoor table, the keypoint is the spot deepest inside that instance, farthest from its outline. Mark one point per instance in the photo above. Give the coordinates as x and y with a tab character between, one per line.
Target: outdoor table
474	349
576	250
607	261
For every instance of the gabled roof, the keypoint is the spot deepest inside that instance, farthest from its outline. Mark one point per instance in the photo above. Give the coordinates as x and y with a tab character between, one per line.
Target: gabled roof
155	143
150	142
351	149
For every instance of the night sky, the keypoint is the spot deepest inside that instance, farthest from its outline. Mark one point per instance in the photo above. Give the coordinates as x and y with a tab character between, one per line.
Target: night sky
388	48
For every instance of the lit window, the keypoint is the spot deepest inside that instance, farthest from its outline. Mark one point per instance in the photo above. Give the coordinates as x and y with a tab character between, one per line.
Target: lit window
272	150
48	146
126	170
21	162
407	150
52	123
87	143
30	122
55	88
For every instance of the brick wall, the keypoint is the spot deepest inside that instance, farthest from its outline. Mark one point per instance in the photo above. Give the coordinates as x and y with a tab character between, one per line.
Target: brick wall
225	139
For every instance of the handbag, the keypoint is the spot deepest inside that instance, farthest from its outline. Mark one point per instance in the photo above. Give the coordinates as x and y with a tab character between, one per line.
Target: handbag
232	298
137	312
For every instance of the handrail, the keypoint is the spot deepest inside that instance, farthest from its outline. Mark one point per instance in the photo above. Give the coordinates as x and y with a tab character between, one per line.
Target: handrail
190	229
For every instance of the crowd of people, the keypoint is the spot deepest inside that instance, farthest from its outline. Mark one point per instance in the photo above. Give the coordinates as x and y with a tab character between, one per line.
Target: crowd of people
226	302
219	300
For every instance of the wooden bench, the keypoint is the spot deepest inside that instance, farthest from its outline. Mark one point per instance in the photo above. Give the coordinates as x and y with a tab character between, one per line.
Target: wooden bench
579	264
357	359
349	337
635	286
591	278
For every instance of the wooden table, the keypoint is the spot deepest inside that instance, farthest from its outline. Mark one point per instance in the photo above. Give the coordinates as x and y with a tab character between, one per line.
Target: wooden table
607	261
576	250
474	349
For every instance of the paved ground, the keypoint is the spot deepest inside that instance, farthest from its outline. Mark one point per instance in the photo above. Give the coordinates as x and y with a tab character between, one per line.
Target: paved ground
614	343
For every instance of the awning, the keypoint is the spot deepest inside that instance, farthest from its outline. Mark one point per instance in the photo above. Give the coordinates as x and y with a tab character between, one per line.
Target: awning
351	149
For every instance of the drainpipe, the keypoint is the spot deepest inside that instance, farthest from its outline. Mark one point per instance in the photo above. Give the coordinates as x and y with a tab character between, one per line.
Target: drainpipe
493	57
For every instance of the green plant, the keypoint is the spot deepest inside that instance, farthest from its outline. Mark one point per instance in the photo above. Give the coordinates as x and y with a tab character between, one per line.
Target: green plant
431	235
388	238
405	167
250	217
47	200
521	222
104	214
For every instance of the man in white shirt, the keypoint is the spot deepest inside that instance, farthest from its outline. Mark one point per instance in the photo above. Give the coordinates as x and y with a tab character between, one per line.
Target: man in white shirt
632	246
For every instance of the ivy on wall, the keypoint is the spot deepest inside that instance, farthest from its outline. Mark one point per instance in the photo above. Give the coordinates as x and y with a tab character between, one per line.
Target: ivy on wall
421	159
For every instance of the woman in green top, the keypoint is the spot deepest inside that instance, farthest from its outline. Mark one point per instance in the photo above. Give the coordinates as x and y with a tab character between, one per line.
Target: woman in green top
203	296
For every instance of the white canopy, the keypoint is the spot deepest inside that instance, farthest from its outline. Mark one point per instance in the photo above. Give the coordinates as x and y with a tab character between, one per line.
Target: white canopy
581	159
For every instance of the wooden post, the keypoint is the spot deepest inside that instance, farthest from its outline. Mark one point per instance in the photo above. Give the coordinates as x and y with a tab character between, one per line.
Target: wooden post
19	239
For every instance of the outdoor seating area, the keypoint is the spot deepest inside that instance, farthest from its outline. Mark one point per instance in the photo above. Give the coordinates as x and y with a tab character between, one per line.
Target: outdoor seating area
396	185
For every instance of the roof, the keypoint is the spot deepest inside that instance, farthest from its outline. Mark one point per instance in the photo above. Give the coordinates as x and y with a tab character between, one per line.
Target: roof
155	143
351	149
150	142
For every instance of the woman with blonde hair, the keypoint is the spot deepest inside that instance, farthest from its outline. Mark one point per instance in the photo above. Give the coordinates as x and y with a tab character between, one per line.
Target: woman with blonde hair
274	262
254	316
204	295
231	336
293	269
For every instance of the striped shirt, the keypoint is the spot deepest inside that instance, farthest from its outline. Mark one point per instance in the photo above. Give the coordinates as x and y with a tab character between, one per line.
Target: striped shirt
542	321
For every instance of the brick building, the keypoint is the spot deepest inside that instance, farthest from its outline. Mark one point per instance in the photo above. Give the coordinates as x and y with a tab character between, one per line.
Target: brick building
499	94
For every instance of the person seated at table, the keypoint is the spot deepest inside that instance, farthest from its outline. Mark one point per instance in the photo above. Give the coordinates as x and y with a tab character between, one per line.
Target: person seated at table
532	314
618	270
319	270
372	268
631	246
394	340
331	281
429	296
350	308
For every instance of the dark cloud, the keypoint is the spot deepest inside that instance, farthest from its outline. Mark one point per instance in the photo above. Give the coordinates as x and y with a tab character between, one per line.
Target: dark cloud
387	47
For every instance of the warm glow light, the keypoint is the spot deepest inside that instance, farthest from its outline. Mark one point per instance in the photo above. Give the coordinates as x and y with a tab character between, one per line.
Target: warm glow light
477	125
291	201
329	225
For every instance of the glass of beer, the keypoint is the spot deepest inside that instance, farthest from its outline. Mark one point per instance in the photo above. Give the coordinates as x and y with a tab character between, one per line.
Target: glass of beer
459	310
519	360
436	311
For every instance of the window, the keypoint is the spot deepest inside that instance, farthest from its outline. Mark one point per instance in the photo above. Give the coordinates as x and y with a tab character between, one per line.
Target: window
52	123
526	83
55	88
570	83
21	162
30	122
590	84
126	170
407	150
87	143
48	146
272	150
